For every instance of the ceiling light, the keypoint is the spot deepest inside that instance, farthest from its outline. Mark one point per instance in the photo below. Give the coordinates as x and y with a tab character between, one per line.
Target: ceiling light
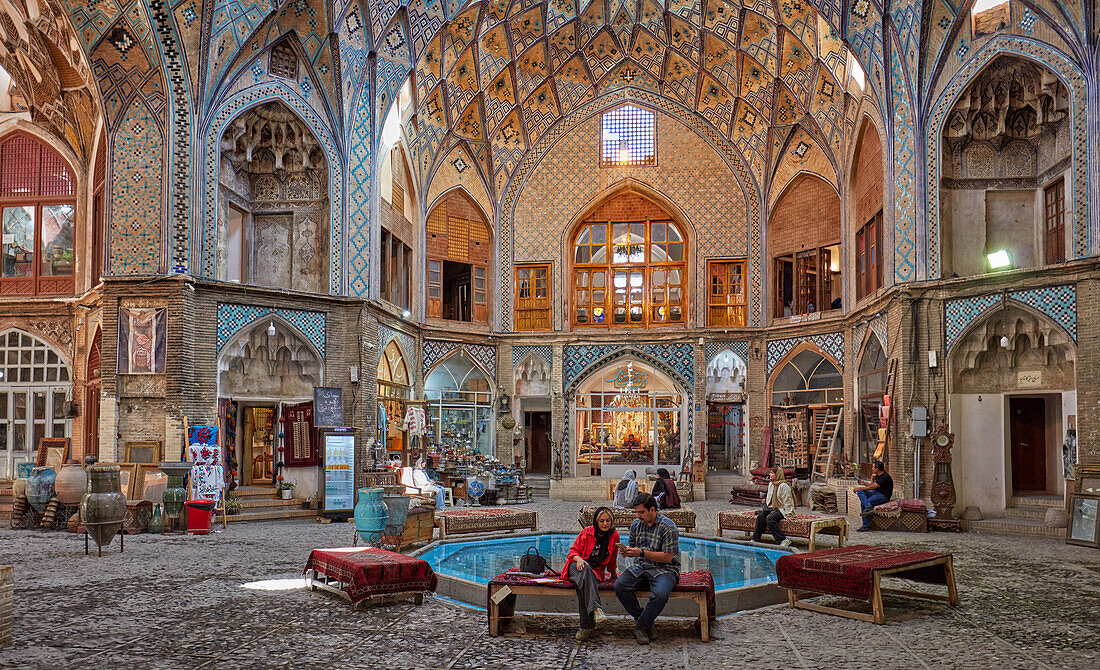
999	260
271	329
1004	341
406	314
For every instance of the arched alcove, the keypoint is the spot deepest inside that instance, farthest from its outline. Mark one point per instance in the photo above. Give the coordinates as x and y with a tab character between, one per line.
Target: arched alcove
273	201
255	364
804	246
460	406
726	375
35	382
532	377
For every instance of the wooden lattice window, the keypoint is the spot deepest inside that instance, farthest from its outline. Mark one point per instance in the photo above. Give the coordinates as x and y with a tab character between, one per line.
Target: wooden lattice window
726	303
283	62
37	218
629	137
1054	215
458	249
397	180
532	297
628	273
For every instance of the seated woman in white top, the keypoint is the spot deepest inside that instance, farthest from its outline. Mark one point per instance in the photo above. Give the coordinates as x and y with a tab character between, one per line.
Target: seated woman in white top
778	504
423	481
626	490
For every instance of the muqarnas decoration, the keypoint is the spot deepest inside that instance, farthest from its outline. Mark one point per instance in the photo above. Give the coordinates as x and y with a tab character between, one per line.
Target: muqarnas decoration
141	340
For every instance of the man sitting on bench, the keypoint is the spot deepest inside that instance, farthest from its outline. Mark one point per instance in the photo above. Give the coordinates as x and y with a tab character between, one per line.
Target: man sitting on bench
874	492
655	543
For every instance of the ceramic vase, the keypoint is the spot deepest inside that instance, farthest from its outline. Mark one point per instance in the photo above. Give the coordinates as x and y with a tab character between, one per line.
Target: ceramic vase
103	507
40	488
370	514
157	523
71	484
174	496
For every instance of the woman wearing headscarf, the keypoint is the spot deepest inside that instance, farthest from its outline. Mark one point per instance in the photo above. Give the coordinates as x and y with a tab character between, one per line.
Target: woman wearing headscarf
626	490
778	505
665	485
592	559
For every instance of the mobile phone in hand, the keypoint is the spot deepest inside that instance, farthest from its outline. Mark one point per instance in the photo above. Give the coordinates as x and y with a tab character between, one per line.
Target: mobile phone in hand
620	546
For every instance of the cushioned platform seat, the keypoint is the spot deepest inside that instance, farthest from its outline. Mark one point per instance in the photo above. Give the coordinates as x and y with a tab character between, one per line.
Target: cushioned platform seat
484	520
808	526
682	517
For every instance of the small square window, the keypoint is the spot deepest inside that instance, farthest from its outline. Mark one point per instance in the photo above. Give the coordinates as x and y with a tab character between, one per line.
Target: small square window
629	137
283	62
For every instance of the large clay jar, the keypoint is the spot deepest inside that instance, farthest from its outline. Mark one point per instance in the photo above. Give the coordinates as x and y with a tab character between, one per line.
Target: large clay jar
71	484
40	488
370	514
103	507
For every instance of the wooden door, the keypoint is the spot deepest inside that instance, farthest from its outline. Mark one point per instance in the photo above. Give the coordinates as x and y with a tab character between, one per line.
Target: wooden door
1027	432
538	461
91	420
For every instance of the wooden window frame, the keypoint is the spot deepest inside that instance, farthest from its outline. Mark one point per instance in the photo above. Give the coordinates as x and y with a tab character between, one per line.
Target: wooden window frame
648	269
532	310
868	248
38	284
808	282
726	308
1054	210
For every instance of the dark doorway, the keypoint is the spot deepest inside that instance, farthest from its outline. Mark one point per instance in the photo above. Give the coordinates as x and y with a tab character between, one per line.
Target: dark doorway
537	427
456	291
1027	432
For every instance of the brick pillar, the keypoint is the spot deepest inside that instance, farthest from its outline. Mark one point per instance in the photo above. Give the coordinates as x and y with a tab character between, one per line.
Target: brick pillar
1088	362
505	380
756	391
557	409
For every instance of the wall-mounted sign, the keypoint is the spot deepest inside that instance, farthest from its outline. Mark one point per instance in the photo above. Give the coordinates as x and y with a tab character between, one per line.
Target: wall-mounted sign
328	407
629	378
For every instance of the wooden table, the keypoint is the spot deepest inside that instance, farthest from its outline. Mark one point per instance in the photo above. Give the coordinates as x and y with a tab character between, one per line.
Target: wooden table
857	572
357	574
808	526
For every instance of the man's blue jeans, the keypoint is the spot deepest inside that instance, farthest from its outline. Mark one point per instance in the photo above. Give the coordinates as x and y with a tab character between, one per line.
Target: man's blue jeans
869	499
636	577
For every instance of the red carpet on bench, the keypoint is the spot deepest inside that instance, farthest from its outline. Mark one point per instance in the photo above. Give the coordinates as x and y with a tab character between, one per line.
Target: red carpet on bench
372	572
847	571
698	580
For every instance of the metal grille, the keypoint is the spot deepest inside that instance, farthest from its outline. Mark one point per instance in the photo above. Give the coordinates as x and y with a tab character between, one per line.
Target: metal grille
19	160
283	62
629	137
57	178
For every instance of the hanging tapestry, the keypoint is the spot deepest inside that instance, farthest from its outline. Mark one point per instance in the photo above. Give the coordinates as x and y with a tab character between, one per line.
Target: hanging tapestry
791	436
141	340
300	442
415	422
207	471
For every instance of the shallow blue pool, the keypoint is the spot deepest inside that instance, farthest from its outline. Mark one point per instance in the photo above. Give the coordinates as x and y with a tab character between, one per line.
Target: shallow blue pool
733	565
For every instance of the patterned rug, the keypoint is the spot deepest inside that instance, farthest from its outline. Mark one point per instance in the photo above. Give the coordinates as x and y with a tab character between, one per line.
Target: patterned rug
682	517
848	571
698	580
485	520
372	572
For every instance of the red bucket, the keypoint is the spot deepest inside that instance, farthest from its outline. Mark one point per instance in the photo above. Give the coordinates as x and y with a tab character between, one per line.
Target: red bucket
200	514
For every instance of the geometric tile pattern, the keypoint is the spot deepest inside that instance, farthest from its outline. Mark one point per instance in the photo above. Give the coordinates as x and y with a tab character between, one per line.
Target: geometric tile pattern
905	182
522	351
1059	303
232	317
406	341
136	231
676	360
436	350
739	347
1077	85
831	343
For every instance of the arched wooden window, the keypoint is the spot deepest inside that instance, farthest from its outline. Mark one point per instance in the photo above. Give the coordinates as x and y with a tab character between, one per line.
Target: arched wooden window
809	379
38	201
458	248
871	386
394	391
629	262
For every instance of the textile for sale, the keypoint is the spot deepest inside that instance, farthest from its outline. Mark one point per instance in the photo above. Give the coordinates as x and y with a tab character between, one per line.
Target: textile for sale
370	571
849	571
207	471
697	580
415	421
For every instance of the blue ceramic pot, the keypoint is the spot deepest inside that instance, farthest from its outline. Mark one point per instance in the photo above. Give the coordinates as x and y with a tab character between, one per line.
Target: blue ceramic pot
370	514
40	488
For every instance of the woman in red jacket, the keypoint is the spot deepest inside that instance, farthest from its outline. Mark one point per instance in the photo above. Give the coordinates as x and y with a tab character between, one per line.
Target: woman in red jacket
592	559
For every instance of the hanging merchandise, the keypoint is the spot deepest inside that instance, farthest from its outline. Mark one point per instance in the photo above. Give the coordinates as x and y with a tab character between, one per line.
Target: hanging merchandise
415	421
207	472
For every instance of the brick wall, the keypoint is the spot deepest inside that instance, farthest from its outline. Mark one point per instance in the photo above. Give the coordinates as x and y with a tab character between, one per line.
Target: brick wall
628	207
806	216
867	176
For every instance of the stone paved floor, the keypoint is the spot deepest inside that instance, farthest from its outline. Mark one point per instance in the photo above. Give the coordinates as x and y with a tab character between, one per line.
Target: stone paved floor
177	602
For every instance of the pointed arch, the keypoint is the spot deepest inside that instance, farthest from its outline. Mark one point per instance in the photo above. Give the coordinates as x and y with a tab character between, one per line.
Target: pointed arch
810	374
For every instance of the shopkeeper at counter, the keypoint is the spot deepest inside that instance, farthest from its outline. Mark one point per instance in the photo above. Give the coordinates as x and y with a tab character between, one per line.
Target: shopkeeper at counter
631	442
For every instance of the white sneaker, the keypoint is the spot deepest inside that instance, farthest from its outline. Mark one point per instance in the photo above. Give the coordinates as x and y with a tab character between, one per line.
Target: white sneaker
785	543
598	616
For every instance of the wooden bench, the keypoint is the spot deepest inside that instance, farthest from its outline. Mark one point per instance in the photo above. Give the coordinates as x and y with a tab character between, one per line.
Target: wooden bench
681	516
807	526
857	572
484	520
697	586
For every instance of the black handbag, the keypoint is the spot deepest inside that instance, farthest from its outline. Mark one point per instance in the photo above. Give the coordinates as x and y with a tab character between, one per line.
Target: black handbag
533	564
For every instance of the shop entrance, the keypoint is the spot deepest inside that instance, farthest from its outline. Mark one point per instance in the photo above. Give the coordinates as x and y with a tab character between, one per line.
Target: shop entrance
256	443
536	425
1028	431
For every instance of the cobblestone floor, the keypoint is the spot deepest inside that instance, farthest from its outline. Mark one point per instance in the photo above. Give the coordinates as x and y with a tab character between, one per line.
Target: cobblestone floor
178	602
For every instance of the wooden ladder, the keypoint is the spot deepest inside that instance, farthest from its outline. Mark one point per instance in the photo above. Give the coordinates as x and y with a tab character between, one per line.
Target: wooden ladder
828	440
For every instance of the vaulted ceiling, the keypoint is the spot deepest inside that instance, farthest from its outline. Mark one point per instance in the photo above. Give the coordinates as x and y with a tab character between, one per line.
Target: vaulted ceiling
501	73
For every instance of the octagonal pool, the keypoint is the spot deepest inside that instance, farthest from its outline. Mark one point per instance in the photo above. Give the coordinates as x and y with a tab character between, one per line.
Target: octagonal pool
744	575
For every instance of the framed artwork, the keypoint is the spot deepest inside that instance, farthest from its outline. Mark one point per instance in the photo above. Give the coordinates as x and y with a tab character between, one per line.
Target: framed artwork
141	340
143	452
1087	479
126	478
149	483
59	447
1084	520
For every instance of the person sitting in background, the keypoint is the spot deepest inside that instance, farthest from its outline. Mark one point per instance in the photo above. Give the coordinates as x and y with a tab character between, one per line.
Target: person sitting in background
778	505
626	490
873	492
664	490
592	559
631	442
422	480
429	469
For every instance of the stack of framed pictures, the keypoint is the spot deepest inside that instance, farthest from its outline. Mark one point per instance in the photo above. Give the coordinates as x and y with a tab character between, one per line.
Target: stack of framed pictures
1084	508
